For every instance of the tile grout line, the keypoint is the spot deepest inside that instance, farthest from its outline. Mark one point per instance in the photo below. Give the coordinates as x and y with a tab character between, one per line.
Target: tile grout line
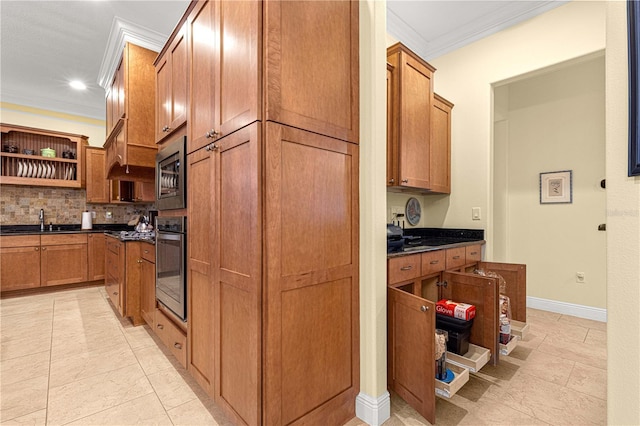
53	314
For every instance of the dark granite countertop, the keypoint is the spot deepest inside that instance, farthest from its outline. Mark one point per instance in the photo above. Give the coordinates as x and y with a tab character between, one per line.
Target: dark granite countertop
419	240
62	229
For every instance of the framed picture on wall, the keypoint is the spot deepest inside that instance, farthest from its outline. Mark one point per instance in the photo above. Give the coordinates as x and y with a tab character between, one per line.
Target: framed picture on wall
556	187
633	21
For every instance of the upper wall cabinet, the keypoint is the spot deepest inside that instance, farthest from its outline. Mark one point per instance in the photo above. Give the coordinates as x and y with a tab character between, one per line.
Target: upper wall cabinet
226	60
171	69
41	157
418	126
314	92
130	145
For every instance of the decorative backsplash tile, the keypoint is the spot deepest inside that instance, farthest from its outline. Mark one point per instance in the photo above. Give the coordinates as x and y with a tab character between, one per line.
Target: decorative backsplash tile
20	205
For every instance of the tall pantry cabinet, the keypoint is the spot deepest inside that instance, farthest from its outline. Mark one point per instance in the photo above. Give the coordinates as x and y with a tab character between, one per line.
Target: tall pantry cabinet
273	208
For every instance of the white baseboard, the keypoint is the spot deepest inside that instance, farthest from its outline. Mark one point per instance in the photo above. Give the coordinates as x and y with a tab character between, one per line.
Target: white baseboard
373	411
581	311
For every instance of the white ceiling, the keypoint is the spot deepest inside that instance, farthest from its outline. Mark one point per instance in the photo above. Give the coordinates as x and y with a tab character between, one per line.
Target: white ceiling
44	44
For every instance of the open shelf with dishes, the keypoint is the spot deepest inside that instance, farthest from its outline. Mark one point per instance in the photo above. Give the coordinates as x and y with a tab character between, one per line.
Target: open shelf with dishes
41	157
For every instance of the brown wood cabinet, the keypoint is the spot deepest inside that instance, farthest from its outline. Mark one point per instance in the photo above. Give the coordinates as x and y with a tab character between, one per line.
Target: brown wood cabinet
63	259
19	262
96	250
440	146
171	71
411	102
230	61
172	336
279	316
97	184
411	314
130	144
123	262
200	333
148	283
101	190
34	169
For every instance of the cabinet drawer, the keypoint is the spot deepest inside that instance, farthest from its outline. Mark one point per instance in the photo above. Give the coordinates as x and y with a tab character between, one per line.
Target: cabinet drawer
149	252
433	261
473	253
476	358
519	329
403	268
61	239
506	349
112	263
461	376
455	257
113	245
172	337
19	240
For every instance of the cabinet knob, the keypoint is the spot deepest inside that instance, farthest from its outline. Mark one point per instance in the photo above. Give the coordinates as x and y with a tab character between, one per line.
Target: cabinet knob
424	308
139	260
160	326
392	180
115	293
37	248
177	345
211	147
44	248
405	180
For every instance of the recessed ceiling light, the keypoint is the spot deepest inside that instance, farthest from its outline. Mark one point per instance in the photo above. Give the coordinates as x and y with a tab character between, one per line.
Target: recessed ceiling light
78	85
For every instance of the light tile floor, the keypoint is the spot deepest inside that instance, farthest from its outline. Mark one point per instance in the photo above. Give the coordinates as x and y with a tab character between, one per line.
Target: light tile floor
67	358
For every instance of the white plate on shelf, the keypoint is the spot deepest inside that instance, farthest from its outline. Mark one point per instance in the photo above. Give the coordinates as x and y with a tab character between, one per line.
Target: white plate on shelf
47	175
53	171
19	174
39	173
30	170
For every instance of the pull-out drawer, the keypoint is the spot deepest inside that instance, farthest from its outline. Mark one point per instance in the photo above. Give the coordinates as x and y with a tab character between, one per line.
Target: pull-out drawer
149	252
63	239
433	261
461	376
403	268
506	349
476	358
473	253
519	329
455	257
171	336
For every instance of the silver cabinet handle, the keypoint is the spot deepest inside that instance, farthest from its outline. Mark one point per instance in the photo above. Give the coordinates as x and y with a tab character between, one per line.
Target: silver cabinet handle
406	268
160	326
434	262
177	345
473	253
456	257
405	180
424	308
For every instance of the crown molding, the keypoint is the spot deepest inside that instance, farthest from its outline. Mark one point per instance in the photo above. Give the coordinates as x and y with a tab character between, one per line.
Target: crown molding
122	32
510	14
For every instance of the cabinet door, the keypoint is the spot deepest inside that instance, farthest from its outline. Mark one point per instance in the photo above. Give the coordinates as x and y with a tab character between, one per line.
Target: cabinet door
179	79
410	347
133	277
163	97
97	183
19	268
236	232
440	146
416	97
515	276
312	66
148	291
96	257
311	318
202	39
483	293
199	277
144	192
63	264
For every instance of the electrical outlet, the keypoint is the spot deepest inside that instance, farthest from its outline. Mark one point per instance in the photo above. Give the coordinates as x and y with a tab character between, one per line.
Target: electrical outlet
475	213
93	215
395	210
579	277
108	215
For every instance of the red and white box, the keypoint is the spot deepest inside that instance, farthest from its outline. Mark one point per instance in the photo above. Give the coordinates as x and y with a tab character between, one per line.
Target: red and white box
458	310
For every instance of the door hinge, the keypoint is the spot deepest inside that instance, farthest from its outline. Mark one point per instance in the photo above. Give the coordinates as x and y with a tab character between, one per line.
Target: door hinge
441	284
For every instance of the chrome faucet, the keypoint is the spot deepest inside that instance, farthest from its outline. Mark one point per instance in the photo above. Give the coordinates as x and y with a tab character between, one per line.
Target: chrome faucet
41	217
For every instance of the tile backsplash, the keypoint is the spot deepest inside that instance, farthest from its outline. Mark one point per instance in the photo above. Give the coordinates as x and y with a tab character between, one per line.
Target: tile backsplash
20	205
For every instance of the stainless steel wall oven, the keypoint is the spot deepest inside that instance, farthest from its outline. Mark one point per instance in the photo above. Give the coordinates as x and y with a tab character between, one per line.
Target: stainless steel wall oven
171	282
171	189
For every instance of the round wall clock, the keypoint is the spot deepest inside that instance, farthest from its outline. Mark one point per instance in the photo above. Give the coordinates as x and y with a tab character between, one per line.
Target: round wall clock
413	211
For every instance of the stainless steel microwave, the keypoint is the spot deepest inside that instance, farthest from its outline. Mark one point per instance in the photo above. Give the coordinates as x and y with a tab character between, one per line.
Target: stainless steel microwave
171	188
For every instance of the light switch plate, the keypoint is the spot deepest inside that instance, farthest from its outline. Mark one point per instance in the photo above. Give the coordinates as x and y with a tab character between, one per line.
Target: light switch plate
475	213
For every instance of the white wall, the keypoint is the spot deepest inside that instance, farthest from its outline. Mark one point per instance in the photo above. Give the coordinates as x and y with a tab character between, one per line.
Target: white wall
554	121
623	236
51	120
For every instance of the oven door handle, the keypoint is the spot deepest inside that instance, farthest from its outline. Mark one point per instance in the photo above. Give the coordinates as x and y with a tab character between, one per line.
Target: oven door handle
172	237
